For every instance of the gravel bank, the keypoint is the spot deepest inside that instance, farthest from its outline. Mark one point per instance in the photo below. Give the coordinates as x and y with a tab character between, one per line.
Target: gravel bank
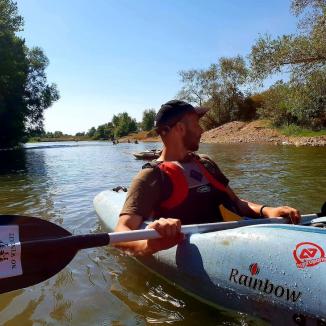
256	132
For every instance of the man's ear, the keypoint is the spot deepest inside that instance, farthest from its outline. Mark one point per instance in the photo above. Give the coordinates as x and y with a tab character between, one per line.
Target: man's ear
181	127
164	130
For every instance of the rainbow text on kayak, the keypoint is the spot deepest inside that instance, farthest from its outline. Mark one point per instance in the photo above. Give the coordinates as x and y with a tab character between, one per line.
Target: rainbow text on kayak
265	286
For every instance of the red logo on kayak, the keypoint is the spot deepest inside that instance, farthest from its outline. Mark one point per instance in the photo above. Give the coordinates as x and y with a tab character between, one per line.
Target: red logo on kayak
254	269
308	254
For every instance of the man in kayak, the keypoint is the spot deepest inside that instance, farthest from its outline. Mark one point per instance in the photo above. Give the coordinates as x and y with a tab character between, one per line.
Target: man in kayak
181	187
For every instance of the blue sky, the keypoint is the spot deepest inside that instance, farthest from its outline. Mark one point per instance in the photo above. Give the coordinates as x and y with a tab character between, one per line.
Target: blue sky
112	56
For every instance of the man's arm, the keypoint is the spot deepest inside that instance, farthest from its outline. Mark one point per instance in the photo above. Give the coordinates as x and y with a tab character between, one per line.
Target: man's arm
129	223
247	208
143	196
168	228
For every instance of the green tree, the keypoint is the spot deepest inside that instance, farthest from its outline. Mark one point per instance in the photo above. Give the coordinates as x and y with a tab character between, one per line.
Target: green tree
38	94
24	92
10	21
202	87
123	124
104	131
277	104
91	132
148	120
198	85
233	74
57	134
13	76
309	101
301	54
220	88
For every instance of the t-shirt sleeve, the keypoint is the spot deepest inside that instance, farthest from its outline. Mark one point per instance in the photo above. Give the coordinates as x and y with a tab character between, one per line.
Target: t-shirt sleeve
143	194
213	169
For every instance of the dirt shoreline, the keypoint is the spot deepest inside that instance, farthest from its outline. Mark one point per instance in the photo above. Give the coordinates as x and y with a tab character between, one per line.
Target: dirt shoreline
256	132
243	132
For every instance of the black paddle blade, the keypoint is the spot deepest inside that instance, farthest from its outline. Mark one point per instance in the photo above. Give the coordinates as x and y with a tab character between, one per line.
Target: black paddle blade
38	260
323	209
33	228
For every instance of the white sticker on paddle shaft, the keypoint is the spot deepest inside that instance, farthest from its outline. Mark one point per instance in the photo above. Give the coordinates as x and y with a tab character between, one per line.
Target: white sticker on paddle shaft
10	251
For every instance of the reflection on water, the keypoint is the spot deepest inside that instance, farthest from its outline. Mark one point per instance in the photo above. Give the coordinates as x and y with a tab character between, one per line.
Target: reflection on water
274	175
102	286
135	287
12	161
62	308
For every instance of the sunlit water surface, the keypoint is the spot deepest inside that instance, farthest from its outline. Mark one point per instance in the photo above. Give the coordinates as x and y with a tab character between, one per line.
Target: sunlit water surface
101	286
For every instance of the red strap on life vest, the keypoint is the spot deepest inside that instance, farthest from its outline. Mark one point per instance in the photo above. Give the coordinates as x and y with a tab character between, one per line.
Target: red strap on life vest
179	184
215	183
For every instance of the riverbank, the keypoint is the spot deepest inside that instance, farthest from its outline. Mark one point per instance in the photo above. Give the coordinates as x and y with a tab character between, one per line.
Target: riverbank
234	132
143	136
257	131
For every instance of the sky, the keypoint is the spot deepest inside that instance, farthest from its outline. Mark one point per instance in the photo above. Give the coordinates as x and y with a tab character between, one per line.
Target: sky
114	56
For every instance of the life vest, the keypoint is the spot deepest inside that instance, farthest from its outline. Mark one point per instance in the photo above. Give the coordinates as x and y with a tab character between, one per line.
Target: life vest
196	204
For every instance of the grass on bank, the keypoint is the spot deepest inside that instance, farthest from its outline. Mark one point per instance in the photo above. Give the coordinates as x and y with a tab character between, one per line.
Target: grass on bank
139	136
62	138
294	130
290	130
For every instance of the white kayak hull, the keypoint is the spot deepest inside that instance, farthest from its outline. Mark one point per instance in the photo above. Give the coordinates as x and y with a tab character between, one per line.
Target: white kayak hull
265	270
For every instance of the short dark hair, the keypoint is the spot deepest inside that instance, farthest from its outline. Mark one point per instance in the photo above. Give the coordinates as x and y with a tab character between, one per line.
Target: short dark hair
173	111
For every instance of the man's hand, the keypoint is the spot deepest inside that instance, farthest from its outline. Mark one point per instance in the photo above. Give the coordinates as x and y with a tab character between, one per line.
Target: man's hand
169	229
292	214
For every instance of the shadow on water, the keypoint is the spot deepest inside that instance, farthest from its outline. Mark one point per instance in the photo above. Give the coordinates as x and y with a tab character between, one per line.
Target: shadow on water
26	184
13	161
156	300
49	146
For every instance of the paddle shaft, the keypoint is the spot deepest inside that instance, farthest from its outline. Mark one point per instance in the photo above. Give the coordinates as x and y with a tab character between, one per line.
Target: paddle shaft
77	242
33	250
135	235
74	242
85	241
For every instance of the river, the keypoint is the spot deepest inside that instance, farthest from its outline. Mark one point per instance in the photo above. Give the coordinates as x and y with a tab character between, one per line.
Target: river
102	286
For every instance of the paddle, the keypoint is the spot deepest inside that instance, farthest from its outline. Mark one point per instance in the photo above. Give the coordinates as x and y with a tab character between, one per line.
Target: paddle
33	250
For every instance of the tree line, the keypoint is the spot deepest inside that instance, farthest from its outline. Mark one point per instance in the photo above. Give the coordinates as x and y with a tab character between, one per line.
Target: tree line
227	86
24	90
121	125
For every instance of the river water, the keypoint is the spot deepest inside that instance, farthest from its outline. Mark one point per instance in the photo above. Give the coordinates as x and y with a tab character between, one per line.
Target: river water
101	286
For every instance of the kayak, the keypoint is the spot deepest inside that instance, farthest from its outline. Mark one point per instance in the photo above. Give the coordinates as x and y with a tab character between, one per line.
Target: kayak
147	155
274	271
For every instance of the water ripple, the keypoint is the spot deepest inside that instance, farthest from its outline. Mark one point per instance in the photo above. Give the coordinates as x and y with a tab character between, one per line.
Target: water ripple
102	286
